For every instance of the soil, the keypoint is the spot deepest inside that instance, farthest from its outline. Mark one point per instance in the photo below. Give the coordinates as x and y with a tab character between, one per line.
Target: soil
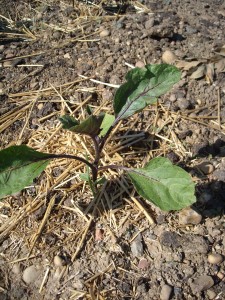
57	241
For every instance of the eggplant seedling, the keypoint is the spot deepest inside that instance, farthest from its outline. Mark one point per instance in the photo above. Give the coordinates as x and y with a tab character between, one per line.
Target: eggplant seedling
167	186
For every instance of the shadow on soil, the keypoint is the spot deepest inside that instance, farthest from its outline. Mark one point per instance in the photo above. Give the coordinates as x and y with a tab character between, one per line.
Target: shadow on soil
210	193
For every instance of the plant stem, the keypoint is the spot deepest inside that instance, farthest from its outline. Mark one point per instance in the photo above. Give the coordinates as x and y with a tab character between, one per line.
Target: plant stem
81	159
95	140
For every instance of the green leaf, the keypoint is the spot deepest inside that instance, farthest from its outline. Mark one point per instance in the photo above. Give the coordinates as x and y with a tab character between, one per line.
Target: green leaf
68	122
169	187
89	110
84	176
143	87
101	180
106	124
19	165
90	126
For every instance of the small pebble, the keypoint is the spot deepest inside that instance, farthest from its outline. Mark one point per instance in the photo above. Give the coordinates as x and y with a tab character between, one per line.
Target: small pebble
189	216
166	292
59	261
215	258
140	64
169	57
56	35
206	168
104	33
211	294
40	106
99	234
137	246
67	55
173	97
220	275
30	274
143	263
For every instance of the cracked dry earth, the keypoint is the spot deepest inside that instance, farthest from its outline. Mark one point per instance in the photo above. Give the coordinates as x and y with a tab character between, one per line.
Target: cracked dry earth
116	253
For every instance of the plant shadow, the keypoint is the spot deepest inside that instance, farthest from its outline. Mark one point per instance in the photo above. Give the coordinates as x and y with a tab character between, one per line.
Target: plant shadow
118	191
211	190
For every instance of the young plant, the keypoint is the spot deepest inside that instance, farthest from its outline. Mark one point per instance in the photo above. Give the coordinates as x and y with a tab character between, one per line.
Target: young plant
167	186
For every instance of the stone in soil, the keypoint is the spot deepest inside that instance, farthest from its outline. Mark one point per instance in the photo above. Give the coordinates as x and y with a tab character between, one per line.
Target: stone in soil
215	258
143	263
30	274
104	33
99	234
59	261
169	57
211	294
206	168
189	216
137	246
201	283
166	292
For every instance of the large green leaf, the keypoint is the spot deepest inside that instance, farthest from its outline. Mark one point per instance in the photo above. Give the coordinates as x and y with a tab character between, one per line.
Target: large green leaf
19	165
143	87
90	126
169	187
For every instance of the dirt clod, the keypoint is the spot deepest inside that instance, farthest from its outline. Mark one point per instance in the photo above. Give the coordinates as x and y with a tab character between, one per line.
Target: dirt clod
189	216
169	57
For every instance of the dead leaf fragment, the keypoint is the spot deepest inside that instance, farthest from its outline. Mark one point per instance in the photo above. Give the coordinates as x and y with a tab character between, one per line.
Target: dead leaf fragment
220	51
199	73
220	65
187	65
210	72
